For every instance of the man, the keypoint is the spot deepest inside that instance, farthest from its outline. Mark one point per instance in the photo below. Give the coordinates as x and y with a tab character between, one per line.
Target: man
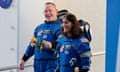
46	33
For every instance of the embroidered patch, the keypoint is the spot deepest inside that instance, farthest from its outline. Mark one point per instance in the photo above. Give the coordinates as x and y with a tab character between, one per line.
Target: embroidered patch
84	40
60	36
62	48
68	46
86	54
45	36
66	52
46	31
40	33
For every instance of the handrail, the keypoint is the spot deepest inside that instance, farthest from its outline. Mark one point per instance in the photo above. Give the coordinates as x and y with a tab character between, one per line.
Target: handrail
29	65
13	67
98	53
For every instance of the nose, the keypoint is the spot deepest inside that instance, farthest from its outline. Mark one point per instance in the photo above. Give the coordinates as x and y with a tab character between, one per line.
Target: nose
47	12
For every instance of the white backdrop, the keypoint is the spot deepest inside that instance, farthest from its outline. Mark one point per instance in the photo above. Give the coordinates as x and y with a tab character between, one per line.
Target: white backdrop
9	36
118	55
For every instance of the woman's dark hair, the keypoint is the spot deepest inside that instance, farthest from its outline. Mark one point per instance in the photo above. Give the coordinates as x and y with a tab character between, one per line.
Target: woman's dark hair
76	31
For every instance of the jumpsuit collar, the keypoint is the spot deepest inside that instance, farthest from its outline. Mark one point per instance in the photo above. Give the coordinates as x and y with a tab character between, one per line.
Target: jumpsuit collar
52	22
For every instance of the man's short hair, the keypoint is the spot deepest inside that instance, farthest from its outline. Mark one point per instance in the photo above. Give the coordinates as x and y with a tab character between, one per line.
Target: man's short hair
50	3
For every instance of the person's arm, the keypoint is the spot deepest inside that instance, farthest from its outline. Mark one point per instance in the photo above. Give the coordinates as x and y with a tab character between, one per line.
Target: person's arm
58	36
85	55
30	48
58	45
29	51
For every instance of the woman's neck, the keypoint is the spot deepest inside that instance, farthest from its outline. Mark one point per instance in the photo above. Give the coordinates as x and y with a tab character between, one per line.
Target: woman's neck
69	34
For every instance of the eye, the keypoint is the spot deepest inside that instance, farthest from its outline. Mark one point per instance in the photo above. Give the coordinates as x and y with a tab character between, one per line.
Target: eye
47	10
65	22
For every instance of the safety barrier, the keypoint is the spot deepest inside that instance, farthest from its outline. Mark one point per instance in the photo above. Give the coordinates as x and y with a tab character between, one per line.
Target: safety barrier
29	65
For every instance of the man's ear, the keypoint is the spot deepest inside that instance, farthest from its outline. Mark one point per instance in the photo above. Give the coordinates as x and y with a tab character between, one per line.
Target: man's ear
57	10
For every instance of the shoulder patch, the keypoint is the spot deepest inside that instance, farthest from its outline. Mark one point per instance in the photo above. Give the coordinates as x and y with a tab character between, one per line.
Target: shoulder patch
84	40
60	36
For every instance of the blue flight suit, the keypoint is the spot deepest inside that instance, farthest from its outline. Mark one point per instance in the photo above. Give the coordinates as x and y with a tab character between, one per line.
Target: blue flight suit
44	58
74	54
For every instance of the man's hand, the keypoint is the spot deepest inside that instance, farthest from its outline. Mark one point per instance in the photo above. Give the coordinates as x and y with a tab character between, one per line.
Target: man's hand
47	44
21	65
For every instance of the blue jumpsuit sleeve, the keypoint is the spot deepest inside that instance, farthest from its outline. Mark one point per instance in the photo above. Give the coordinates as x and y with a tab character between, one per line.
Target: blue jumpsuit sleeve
30	50
58	46
36	31
85	55
58	32
59	43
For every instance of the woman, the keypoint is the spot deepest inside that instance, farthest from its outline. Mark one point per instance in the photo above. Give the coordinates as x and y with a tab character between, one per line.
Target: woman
73	48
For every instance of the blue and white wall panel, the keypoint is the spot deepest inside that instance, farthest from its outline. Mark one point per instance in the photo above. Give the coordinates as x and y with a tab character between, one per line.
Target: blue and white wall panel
9	35
113	36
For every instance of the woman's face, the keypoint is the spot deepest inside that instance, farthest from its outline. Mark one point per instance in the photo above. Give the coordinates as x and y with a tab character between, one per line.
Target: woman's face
66	25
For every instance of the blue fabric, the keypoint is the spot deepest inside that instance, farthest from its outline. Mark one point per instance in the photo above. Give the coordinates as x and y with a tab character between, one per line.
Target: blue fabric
66	69
48	31
112	34
45	66
29	51
69	49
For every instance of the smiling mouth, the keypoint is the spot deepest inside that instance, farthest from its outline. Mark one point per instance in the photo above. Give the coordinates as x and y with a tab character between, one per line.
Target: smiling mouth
48	16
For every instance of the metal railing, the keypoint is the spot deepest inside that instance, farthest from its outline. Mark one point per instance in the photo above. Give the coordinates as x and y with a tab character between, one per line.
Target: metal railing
99	53
13	67
30	65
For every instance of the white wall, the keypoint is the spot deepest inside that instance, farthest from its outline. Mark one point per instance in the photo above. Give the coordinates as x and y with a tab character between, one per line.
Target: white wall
93	11
118	55
8	35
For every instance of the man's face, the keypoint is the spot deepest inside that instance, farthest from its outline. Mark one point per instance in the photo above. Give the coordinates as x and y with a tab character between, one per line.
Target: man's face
50	12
